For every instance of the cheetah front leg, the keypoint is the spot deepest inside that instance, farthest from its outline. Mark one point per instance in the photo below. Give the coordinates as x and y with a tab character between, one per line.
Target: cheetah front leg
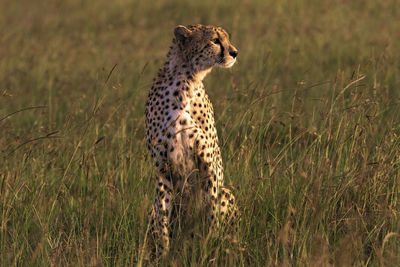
226	207
160	215
220	200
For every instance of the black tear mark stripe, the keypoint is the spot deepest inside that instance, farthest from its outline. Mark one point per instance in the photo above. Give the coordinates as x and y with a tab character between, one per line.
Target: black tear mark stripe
222	47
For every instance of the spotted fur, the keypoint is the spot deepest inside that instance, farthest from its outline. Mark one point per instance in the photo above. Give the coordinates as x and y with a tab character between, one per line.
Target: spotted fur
180	129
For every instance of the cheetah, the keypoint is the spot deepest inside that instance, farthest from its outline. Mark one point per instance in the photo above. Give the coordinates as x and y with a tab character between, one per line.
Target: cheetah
181	133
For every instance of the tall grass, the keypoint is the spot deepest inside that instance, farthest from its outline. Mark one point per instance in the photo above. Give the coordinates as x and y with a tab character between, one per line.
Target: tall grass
308	121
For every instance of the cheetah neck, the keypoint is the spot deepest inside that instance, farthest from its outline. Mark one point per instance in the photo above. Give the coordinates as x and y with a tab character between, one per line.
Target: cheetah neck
180	68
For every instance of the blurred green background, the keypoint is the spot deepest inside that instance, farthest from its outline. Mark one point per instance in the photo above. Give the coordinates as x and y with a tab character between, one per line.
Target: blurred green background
308	120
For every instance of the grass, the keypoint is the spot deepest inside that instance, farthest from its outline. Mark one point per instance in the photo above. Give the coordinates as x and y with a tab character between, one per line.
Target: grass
308	119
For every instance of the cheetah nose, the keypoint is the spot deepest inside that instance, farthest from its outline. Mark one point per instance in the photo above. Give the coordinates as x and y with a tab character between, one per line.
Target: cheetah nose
233	53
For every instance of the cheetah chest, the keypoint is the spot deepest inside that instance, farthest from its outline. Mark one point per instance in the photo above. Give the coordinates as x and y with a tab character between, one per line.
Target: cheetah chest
187	129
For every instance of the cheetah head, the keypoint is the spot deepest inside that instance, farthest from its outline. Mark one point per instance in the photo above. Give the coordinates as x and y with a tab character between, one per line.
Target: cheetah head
205	46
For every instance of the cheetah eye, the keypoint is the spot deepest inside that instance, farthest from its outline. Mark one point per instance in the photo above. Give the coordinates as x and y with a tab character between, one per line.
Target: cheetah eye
217	41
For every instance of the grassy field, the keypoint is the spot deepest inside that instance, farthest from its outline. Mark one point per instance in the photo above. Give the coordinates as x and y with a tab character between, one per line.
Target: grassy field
308	119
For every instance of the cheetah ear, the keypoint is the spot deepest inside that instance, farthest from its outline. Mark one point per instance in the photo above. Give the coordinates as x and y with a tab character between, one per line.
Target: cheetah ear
181	32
